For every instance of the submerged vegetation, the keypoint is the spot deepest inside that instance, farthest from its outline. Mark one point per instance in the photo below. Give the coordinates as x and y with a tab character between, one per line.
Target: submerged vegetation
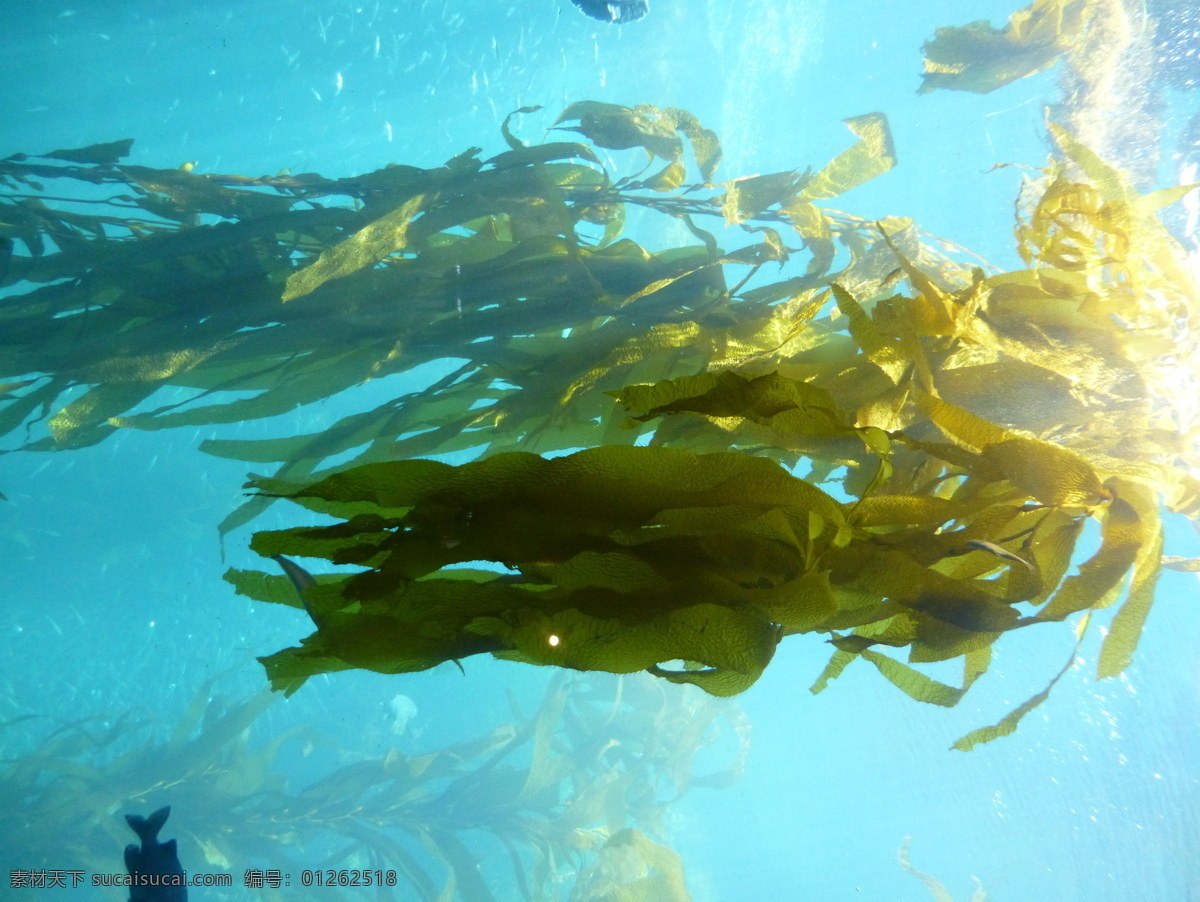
980	58
964	436
267	293
935	887
565	800
908	471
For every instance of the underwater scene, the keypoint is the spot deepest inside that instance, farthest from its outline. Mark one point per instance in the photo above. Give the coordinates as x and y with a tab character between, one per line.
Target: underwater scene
631	451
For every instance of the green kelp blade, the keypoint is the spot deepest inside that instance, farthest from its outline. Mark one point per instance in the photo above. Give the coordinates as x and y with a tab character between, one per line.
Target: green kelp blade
270	587
400	858
786	406
906	510
289	385
980	58
705	145
631	867
1184	564
912	682
85	421
596	588
544	769
468	876
620	128
668	178
613	485
873	155
747	197
1008	724
545	153
1054	475
364	248
1116	653
960	425
180	194
16	409
881	349
106	154
380	648
733	645
1123	535
512	140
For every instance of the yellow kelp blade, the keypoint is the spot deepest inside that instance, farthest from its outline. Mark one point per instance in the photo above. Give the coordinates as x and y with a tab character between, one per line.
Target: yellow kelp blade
980	58
365	247
1008	724
631	867
873	155
626	559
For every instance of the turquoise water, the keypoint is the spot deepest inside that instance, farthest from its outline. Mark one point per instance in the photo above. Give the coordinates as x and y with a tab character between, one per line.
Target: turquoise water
111	595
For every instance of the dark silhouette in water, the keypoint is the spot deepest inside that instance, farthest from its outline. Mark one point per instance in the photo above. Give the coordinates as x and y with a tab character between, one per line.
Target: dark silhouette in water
616	11
155	868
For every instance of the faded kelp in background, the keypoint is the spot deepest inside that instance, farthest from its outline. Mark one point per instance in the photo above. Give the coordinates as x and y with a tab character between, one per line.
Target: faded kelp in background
561	803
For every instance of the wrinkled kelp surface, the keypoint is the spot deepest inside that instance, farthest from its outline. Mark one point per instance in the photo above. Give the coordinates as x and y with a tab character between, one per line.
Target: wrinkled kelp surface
957	442
945	447
560	803
286	290
981	58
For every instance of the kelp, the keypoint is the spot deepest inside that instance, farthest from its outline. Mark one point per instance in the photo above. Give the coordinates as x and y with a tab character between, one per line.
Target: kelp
936	889
947	450
561	802
263	294
981	58
625	558
946	447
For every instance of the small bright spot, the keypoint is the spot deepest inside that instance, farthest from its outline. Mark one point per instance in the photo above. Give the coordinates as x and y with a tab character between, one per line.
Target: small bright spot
553	640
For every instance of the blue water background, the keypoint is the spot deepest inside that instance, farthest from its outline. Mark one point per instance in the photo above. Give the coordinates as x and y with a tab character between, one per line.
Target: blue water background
110	570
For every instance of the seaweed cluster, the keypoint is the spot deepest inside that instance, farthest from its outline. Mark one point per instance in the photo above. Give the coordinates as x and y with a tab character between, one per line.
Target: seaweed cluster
262	294
906	471
559	803
964	434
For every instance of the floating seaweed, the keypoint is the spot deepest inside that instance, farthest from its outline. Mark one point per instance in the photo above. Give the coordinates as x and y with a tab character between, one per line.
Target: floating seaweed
287	290
555	798
968	433
981	58
957	439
